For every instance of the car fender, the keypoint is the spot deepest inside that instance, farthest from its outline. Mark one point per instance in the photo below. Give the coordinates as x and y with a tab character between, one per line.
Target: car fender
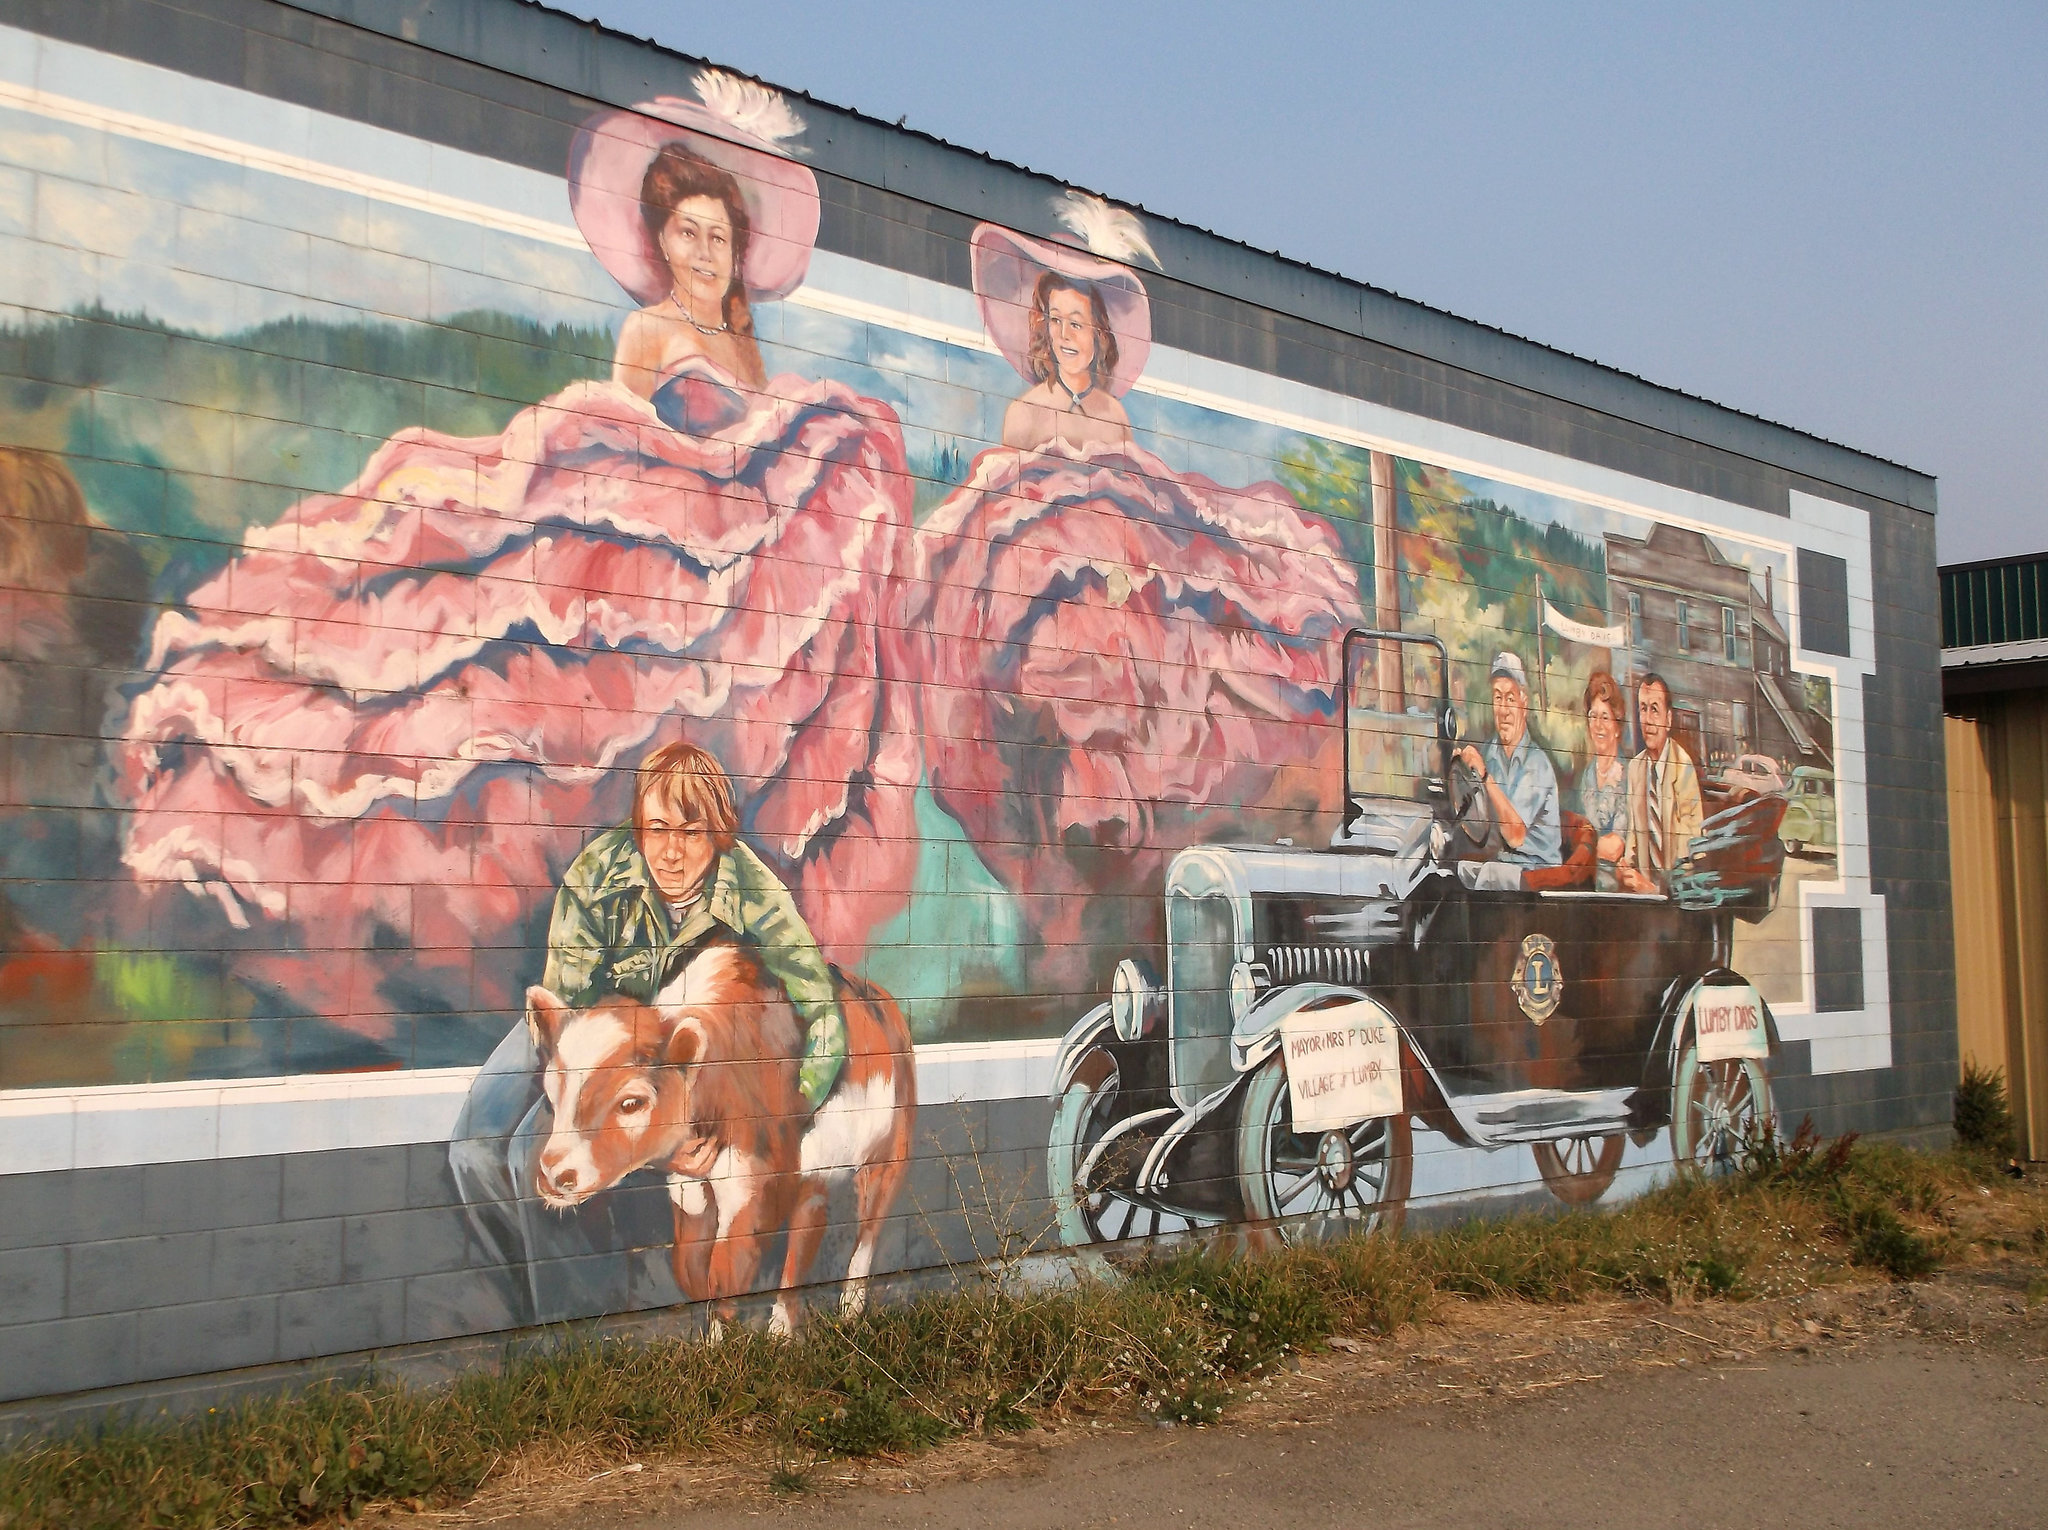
1091	1030
1256	1037
1257	1032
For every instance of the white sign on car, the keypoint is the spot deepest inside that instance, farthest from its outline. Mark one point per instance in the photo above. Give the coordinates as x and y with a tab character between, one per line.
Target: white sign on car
1729	1022
1343	1065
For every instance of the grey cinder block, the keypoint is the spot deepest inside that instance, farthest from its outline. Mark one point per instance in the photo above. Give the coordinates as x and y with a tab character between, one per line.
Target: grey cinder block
31	1286
71	1355
205	1336
131	1274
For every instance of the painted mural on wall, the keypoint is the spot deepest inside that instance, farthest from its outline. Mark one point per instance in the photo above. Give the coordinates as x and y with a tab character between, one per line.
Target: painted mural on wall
670	700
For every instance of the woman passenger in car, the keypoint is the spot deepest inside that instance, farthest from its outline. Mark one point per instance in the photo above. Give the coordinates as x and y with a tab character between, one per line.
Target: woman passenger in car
1603	790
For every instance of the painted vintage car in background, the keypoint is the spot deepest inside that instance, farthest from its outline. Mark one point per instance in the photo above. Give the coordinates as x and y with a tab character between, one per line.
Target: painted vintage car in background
1552	1016
1809	822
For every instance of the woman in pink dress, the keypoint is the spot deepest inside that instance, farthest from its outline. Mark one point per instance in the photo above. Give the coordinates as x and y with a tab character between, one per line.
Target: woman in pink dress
1117	659
373	741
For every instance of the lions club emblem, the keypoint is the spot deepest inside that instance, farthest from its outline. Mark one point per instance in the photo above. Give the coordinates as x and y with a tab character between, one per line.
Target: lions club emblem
1538	982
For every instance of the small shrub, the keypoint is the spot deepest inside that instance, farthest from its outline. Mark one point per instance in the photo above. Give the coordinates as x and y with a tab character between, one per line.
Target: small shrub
789	1477
1807	1161
1983	1115
1258	1307
1374	1284
1879	1240
866	1422
1716	1273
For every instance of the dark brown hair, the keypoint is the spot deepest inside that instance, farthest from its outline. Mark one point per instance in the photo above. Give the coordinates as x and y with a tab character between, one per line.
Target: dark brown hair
690	780
1039	353
677	175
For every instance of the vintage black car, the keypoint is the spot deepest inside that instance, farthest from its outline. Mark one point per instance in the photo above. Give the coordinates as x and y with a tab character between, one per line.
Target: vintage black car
1548	1013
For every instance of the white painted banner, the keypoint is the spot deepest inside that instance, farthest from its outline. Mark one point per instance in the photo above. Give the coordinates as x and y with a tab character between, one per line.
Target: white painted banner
1729	1022
1578	632
1343	1065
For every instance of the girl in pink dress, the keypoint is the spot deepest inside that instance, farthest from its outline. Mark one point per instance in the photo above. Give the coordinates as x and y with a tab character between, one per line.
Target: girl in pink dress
375	738
1117	659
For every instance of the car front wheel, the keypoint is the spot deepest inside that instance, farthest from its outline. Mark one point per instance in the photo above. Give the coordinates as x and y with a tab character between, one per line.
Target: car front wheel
1319	1185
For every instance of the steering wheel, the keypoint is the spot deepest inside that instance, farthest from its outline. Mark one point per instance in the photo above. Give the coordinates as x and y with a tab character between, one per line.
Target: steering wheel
1471	804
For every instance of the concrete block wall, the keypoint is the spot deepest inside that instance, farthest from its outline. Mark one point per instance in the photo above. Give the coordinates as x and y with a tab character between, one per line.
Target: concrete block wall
251	249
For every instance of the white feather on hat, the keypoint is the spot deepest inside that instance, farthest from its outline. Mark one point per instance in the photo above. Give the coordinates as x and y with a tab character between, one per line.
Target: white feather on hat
1115	233
748	105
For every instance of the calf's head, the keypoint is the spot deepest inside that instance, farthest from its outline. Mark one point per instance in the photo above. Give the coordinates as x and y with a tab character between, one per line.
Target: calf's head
616	1079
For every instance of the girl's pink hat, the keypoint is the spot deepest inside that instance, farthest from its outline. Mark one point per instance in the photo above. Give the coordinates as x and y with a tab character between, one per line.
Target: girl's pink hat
738	128
1006	266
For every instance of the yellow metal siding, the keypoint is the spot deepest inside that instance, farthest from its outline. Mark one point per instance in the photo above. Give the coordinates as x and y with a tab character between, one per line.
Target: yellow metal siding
1998	846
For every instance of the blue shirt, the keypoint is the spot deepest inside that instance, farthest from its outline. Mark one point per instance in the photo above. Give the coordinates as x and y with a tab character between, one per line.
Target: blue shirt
1531	785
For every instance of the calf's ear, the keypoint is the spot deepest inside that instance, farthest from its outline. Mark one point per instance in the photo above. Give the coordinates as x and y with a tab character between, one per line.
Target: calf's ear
685	1039
545	1017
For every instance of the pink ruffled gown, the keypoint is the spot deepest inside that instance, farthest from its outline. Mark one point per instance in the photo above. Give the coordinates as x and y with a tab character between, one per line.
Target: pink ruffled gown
374	740
1118	660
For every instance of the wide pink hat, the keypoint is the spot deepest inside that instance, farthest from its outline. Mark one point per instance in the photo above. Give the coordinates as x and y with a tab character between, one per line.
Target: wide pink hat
609	160
1006	266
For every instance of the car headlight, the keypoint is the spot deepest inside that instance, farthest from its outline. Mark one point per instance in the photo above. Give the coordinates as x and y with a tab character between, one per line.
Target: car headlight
1244	989
1133	997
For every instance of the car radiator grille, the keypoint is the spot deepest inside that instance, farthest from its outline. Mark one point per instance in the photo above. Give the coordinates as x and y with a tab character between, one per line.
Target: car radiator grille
1327	964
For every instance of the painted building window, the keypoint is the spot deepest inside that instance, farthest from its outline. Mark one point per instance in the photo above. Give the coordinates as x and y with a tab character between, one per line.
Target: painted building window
1684	628
1728	633
1635	617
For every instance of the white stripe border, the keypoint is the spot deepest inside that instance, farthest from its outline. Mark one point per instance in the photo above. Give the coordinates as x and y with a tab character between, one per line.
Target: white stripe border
45	1131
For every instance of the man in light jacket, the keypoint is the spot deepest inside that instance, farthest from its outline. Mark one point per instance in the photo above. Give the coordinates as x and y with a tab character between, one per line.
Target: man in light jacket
1516	773
1663	796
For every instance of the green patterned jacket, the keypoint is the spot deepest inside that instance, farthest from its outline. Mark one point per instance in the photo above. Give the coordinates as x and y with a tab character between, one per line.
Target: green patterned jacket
611	933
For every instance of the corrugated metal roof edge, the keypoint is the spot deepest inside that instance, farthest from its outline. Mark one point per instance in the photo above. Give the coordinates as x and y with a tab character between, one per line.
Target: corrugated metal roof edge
592	60
2012	560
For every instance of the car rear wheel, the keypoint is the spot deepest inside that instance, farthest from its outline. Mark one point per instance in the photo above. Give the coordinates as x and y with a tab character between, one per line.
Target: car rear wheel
1717	1110
1319	1185
1578	1170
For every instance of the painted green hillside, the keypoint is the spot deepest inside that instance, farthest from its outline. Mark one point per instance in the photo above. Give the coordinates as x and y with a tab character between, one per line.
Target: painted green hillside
187	439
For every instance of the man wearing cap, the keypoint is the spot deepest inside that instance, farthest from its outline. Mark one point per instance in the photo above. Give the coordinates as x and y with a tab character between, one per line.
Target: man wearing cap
1518	778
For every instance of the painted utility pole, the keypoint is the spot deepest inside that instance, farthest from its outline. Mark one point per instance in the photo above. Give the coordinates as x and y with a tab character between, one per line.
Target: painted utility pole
1386	581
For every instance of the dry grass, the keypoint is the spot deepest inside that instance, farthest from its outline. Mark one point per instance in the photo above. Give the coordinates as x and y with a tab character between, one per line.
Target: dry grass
1180	1338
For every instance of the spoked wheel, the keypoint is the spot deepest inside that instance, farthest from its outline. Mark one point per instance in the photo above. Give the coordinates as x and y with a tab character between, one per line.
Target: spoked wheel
1319	1184
1578	1170
1090	1191
1717	1108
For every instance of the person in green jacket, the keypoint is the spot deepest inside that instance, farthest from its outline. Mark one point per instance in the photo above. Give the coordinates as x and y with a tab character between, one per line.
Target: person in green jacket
640	898
637	902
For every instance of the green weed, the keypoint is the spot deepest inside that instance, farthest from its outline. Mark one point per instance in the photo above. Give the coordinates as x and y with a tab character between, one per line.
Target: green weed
1983	1113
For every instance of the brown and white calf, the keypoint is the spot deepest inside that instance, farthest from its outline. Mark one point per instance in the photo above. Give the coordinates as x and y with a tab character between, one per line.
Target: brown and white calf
703	1083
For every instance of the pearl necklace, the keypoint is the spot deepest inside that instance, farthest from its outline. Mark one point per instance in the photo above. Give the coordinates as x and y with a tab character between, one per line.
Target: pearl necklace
677	299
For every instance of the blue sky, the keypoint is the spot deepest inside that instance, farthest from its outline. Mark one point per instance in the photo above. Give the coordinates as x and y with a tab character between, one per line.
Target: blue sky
1830	214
